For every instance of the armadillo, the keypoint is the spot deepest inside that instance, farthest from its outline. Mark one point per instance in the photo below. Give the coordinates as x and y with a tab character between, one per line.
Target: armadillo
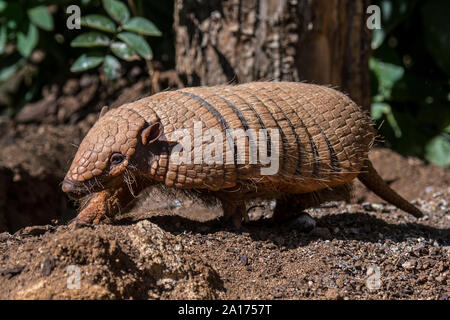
322	145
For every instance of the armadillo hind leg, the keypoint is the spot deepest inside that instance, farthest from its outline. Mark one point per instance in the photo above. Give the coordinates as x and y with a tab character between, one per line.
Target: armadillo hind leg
287	207
289	212
291	204
372	180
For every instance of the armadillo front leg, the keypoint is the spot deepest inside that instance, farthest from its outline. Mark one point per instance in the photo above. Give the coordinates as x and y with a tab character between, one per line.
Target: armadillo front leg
234	209
101	204
94	211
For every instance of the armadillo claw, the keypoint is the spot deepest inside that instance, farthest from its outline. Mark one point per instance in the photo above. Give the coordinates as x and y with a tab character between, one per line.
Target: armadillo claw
77	223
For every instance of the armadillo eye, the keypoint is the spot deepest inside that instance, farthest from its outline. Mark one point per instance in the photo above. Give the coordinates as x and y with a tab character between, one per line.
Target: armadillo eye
116	158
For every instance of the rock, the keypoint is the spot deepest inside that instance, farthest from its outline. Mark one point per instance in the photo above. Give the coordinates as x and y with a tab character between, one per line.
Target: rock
86	80
377	207
71	87
333	294
36	111
441	279
4	236
244	260
34	230
368	206
303	223
47	266
437	194
429	189
409	265
11	272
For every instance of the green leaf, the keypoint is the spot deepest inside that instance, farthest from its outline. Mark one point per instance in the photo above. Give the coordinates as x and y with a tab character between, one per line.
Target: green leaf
111	66
387	74
378	109
377	38
123	51
137	43
90	39
10	69
2	38
41	17
27	39
437	150
87	61
98	22
117	10
142	26
3	5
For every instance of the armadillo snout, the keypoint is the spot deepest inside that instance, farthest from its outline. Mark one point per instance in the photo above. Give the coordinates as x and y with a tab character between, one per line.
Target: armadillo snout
75	190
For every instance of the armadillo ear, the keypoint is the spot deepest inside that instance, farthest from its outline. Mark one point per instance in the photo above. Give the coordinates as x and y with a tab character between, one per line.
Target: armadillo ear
103	111
152	133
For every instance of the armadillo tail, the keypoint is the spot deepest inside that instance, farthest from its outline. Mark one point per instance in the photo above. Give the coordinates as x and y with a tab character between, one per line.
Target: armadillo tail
372	180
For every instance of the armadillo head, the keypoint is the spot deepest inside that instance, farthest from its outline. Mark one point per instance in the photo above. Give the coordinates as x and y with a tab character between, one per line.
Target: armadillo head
108	152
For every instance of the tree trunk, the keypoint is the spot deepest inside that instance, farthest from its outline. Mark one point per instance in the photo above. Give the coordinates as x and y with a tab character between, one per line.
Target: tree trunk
323	41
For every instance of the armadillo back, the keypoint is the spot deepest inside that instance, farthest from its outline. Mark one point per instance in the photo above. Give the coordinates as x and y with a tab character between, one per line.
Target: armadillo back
324	137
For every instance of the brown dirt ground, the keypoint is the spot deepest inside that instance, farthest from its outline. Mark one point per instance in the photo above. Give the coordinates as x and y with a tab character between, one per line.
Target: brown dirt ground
154	251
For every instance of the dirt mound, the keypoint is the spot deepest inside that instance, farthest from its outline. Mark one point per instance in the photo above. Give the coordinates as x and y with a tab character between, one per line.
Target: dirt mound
109	262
